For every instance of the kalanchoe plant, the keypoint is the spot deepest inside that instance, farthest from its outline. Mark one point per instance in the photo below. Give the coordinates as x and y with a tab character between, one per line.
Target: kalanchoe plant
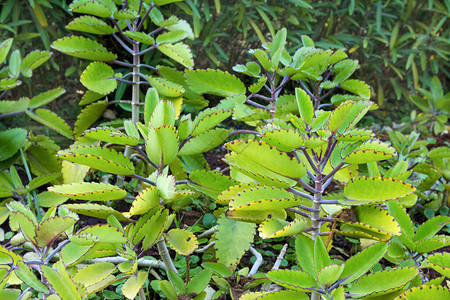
34	153
159	167
129	23
409	247
14	68
284	172
427	170
434	106
299	148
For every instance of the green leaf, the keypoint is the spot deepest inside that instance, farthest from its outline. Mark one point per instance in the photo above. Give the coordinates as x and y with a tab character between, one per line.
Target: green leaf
99	8
284	139
220	269
165	184
88	116
372	150
262	57
284	294
96	210
110	135
25	274
90	24
336	57
428	245
357	87
199	282
140	37
204	142
426	292
267	157
8	106
304	250
347	115
177	282
105	233
164	2
321	257
95	274
52	120
125	14
104	159
277	47
182	241
168	290
165	87
345	72
14	64
178	52
211	183
46	97
359	264
90	97
363	190
305	105
171	37
383	282
257	86
214	82
254	170
133	284
372	222
402	218
274	228
440	262
162	144
5	46
262	198
151	100
431	227
233	238
145	201
50	229
89	191
294	280
12	140
10	294
317	58
208	119
42	160
152	229
83	48
163	114
330	273
26	220
9	83
33	60
439	152
99	78
61	282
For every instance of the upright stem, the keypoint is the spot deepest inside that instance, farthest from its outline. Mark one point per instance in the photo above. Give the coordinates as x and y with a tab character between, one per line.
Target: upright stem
164	253
315	223
134	92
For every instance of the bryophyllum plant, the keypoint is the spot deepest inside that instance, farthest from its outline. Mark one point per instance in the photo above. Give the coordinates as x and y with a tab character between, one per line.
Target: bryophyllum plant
301	168
139	27
297	150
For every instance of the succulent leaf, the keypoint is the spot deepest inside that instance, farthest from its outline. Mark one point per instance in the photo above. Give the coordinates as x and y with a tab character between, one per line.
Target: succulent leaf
83	48
89	191
182	241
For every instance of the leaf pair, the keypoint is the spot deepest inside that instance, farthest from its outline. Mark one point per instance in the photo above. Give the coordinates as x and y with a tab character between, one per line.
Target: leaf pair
320	274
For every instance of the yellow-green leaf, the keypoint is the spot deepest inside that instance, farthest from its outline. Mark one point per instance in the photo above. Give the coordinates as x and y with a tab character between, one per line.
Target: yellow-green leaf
182	241
89	191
